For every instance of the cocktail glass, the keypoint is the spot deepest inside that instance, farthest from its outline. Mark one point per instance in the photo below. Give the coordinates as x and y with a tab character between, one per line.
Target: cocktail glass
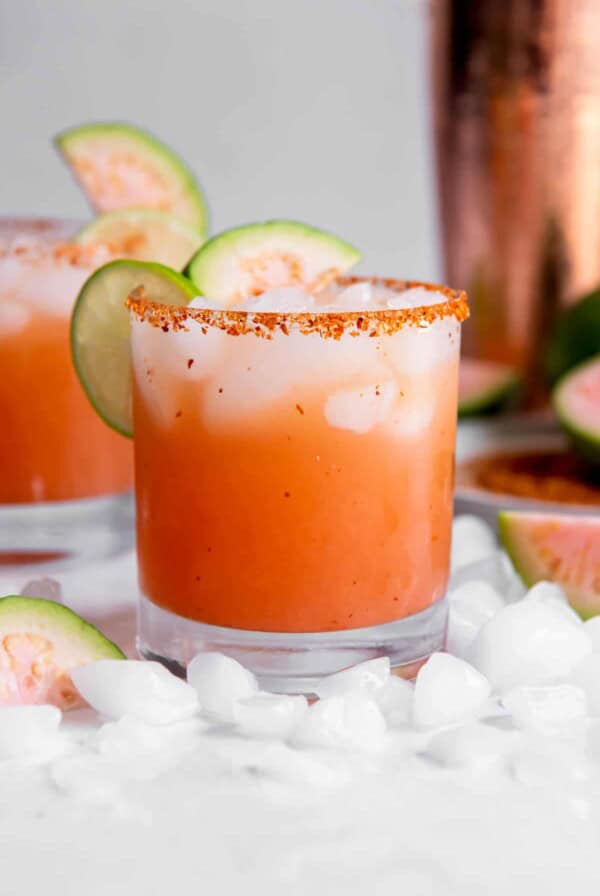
294	481
63	473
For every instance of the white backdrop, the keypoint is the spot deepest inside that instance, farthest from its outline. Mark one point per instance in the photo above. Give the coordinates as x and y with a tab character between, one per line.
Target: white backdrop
312	109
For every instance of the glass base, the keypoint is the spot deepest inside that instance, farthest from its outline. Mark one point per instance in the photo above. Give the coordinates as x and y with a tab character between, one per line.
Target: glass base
63	533
291	663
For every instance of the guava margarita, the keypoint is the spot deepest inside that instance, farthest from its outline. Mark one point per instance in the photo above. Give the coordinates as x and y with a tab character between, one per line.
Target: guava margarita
54	447
294	467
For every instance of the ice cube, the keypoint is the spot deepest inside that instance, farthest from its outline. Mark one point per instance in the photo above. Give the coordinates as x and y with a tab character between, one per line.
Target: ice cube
369	676
395	700
14	317
412	414
302	769
269	715
472	540
28	730
553	595
353	721
592	629
360	409
496	570
417	297
547	710
447	691
148	691
475	744
530	642
414	350
282	299
220	682
586	674
358	297
48	589
469	607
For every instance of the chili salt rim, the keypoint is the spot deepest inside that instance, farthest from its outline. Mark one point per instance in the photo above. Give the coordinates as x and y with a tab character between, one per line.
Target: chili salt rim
328	324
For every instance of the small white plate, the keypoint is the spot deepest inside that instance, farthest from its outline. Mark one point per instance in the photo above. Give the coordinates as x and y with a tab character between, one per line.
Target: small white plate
522	432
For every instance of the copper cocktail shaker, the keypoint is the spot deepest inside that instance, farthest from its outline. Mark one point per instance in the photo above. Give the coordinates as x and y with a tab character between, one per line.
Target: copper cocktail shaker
516	91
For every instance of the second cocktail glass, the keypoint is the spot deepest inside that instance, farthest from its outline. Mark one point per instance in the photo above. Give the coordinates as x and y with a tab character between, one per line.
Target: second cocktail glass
294	478
62	471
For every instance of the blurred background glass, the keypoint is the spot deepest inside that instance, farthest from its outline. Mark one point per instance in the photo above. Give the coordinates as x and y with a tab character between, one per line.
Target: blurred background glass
516	87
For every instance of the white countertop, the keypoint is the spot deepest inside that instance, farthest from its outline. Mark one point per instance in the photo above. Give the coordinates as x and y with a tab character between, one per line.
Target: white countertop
219	814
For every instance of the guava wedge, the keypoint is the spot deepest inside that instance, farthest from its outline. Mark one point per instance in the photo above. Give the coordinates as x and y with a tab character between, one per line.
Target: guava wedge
575	337
576	400
557	548
485	386
121	166
40	642
145	234
100	331
247	261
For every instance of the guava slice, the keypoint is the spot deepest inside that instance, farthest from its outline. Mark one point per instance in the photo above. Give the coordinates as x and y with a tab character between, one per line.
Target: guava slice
100	331
145	234
576	401
575	337
485	386
121	166
40	642
247	261
557	548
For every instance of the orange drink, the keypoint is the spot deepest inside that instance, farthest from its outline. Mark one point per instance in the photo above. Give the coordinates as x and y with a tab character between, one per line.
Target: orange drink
294	476
54	446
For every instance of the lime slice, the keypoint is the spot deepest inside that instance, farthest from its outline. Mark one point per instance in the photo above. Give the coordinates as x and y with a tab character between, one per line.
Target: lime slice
249	260
100	331
146	234
121	166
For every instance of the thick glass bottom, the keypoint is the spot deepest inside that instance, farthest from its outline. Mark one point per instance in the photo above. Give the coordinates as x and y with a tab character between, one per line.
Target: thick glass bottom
63	533
291	663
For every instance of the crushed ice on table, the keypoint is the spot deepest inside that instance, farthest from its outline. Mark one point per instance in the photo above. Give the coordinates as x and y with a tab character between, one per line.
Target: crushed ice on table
586	675
494	569
117	688
551	762
517	692
472	540
448	690
592	629
469	606
29	731
530	642
474	744
220	681
395	700
547	710
352	721
269	715
552	595
46	588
